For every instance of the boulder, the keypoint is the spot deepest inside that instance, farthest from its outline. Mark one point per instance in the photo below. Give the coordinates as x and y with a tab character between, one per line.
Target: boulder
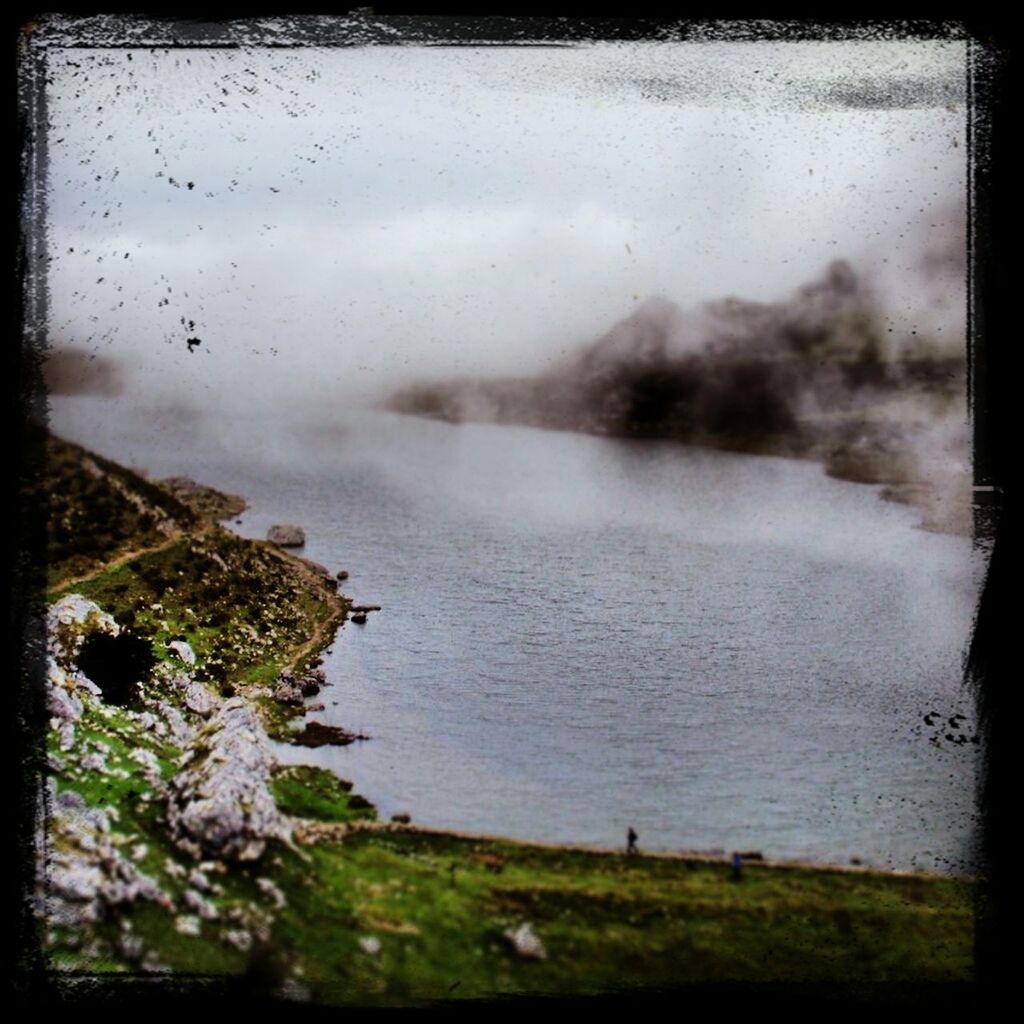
526	943
199	700
220	799
183	650
312	681
287	690
287	536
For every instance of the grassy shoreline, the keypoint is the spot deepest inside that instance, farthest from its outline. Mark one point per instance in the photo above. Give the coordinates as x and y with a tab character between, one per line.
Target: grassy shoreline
353	911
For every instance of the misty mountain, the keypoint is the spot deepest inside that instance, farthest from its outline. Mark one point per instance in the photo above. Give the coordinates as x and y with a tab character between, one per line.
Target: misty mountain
815	375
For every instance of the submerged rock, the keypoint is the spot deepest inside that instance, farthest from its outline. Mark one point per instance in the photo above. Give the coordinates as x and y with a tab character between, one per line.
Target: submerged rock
220	800
316	734
287	535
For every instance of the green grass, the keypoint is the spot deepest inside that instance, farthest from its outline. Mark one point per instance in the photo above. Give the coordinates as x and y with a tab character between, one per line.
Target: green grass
439	906
607	922
317	794
245	622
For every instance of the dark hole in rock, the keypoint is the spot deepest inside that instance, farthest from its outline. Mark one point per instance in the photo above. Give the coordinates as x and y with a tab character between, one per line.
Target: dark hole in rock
116	664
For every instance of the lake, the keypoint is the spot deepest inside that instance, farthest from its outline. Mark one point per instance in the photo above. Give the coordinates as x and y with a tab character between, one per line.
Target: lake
581	635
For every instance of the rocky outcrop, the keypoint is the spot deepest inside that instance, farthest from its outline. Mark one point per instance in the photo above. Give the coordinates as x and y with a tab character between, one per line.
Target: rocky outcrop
69	621
206	501
199	700
293	690
84	877
287	536
220	802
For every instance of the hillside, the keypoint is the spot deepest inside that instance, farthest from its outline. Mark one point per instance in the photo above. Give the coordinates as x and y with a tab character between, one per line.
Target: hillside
174	844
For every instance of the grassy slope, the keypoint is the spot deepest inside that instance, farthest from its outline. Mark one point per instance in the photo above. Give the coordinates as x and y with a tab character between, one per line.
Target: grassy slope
439	905
98	511
607	921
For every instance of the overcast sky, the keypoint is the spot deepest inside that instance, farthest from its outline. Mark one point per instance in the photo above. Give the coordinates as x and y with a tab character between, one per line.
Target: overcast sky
338	220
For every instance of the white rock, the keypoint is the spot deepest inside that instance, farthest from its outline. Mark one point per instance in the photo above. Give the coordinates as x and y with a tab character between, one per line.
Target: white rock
66	732
95	762
526	943
181	732
67	622
204	908
239	938
199	881
222	800
199	699
173	868
268	888
182	649
150	764
63	705
370	944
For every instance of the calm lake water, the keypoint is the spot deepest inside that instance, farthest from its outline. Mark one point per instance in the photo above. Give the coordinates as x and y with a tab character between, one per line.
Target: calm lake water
580	635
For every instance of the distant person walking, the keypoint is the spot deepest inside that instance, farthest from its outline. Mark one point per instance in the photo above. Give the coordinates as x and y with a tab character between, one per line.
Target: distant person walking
737	867
631	838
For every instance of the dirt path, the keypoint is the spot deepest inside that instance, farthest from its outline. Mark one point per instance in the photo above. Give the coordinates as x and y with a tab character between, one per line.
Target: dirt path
324	633
122	559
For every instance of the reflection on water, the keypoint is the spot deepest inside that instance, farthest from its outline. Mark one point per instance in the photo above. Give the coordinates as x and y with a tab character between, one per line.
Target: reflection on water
581	635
